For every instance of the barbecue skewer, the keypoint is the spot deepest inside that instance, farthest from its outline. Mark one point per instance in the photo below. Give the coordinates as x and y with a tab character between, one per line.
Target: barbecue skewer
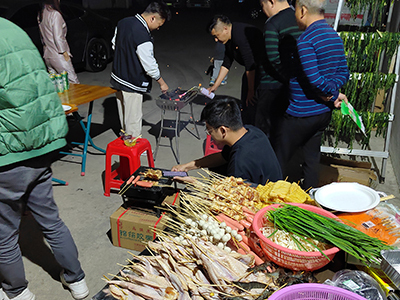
131	181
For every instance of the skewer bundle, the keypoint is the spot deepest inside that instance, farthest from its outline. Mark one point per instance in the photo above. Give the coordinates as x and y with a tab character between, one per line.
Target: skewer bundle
228	195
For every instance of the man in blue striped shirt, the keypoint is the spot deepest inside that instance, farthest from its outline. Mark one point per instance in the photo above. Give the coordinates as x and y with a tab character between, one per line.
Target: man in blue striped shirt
322	70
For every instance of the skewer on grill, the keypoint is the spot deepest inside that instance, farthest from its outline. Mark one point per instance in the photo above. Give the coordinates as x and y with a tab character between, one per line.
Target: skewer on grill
131	181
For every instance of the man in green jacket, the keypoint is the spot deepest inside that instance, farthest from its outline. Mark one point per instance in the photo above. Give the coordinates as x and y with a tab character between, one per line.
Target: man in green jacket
32	127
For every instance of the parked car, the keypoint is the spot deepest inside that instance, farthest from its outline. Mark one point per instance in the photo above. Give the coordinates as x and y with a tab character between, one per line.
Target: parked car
89	34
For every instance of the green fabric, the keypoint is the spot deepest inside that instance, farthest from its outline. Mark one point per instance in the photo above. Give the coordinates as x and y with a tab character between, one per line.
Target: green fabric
32	120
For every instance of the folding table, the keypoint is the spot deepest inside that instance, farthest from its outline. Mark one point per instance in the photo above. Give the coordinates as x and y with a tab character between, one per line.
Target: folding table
79	94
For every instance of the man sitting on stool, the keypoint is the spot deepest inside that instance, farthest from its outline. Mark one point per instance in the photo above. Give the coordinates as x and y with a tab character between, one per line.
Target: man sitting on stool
247	150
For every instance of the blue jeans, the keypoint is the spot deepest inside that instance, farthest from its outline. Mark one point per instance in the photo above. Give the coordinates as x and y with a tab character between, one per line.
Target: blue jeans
217	67
28	184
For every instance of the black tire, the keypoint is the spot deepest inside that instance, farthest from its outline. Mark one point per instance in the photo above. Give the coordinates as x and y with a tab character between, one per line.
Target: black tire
97	55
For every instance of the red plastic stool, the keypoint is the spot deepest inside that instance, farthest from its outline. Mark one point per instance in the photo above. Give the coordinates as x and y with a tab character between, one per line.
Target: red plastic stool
211	146
129	161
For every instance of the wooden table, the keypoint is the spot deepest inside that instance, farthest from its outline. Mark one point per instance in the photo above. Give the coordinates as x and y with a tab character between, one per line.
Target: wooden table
79	94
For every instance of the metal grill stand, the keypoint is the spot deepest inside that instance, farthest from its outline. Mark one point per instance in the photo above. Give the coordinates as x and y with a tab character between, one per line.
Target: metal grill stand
176	105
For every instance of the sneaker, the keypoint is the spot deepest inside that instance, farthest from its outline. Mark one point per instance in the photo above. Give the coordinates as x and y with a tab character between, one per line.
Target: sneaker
224	82
25	295
212	82
79	289
2	295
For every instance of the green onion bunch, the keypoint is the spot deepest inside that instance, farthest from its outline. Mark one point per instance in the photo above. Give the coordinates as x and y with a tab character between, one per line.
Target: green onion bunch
305	223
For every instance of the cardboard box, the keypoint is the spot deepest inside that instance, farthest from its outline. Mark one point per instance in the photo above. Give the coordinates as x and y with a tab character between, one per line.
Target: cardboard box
131	228
341	170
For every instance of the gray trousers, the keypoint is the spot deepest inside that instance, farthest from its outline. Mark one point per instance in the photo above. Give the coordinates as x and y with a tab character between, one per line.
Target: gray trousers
28	184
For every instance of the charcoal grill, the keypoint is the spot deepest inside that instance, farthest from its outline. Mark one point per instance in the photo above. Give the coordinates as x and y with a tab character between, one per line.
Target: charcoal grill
176	101
148	197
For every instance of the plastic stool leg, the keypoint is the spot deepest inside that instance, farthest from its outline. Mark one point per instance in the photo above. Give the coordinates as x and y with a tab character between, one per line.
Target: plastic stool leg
59	181
107	179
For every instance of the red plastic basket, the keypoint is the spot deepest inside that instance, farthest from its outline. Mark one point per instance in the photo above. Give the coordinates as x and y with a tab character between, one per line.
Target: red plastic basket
292	259
314	291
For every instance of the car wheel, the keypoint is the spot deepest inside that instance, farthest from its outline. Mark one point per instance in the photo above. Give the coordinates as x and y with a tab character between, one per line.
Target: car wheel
96	55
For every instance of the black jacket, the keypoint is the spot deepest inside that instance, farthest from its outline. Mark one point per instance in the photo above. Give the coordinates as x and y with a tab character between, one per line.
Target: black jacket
133	45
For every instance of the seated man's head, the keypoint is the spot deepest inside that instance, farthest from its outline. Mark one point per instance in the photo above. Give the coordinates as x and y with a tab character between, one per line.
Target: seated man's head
220	28
308	11
223	119
155	14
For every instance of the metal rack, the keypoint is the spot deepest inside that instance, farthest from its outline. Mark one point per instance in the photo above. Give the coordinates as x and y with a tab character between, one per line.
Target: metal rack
176	104
370	153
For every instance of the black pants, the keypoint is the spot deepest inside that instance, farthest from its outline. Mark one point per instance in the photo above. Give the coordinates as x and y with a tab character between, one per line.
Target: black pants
271	107
248	112
305	133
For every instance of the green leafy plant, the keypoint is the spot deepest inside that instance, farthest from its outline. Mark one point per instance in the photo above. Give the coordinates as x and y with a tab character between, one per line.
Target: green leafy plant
345	130
364	52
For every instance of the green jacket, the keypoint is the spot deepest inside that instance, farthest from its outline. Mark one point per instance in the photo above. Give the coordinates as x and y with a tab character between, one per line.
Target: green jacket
32	120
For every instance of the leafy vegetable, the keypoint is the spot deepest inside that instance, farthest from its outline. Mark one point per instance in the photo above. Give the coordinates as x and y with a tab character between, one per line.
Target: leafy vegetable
303	222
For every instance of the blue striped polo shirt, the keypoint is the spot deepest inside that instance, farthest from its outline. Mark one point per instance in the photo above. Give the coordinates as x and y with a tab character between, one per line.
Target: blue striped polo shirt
323	70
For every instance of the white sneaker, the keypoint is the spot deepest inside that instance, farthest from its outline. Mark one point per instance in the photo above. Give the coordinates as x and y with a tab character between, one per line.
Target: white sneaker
2	295
79	289
25	295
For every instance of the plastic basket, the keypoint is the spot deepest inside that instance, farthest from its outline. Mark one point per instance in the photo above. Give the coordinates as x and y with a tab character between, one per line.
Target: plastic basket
292	259
314	291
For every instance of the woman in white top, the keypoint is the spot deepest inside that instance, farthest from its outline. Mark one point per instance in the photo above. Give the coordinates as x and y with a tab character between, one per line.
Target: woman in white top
53	30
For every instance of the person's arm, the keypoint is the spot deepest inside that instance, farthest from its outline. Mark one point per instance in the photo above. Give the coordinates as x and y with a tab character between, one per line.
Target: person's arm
250	87
209	161
242	39
58	35
309	63
145	53
223	71
271	40
163	85
114	39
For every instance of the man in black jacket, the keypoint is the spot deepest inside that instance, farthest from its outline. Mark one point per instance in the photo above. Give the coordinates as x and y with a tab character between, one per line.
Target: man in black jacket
244	43
134	65
247	151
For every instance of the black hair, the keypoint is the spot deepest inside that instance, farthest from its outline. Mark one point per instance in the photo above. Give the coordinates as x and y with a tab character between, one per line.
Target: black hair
216	20
160	8
55	4
222	112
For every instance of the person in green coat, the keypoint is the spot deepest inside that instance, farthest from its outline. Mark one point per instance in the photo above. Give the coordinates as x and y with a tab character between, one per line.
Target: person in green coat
32	128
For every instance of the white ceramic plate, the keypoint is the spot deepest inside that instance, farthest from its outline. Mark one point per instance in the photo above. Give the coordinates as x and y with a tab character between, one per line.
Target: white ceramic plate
347	197
66	107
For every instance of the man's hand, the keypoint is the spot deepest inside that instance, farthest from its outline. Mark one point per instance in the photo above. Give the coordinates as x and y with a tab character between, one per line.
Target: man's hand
250	100
343	97
163	86
180	168
212	88
340	98
186	179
